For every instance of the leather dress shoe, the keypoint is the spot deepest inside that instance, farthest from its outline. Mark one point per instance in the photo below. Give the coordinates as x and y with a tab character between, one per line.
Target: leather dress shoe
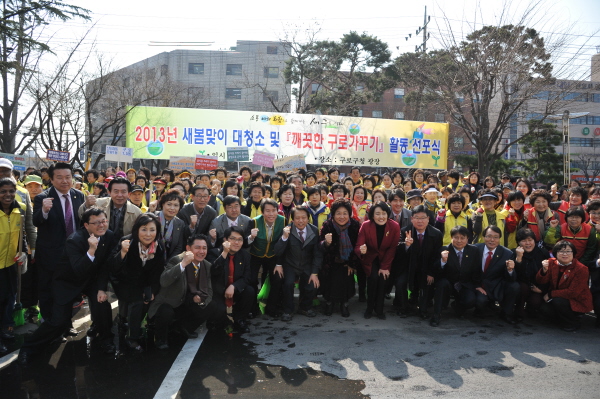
508	319
328	308
344	310
92	332
242	327
3	348
286	317
188	334
307	313
403	313
162	345
71	332
381	316
368	314
7	334
435	320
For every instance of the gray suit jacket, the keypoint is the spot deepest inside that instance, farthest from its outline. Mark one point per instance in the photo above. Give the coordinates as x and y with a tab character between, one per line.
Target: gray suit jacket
304	257
173	285
130	217
221	224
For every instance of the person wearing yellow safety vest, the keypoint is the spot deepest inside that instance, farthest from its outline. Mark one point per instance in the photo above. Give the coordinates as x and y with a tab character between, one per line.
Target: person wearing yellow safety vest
10	229
486	216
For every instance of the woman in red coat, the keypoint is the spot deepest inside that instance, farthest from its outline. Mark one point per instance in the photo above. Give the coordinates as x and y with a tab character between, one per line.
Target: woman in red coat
568	293
376	247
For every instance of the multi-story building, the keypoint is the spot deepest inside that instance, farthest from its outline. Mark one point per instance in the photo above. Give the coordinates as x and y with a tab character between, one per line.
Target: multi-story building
246	77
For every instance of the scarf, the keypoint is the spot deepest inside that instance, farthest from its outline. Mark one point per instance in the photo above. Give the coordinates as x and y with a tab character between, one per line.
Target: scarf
541	221
147	254
346	246
167	235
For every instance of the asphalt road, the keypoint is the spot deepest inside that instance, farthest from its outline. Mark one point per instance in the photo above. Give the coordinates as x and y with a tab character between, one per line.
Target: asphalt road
325	357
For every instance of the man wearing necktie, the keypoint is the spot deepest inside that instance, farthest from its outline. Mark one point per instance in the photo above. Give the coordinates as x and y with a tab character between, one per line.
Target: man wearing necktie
55	219
499	278
186	293
458	274
231	218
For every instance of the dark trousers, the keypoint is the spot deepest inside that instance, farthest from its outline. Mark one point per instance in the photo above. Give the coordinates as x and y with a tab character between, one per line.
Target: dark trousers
29	285
135	315
55	326
45	277
511	295
533	300
307	291
362	282
267	264
465	298
242	303
7	297
401	284
189	315
559	310
375	289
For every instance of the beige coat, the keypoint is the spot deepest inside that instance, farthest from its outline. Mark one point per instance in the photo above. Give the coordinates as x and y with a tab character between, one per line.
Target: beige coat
132	213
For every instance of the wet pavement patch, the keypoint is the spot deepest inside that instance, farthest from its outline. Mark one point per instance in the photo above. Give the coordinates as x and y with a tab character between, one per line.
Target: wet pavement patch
226	365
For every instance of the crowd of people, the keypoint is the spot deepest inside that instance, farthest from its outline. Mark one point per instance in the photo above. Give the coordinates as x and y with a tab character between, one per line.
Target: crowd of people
179	250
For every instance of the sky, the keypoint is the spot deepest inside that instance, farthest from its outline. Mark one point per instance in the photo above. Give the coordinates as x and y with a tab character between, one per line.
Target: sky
123	30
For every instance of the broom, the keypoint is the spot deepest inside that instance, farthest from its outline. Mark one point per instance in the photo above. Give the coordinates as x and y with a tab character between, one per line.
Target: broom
19	312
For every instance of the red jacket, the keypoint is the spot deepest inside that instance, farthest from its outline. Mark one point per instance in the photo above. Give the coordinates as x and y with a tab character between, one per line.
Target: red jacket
368	235
573	284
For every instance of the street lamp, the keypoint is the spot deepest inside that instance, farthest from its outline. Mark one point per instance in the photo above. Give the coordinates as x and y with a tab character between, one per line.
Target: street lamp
565	117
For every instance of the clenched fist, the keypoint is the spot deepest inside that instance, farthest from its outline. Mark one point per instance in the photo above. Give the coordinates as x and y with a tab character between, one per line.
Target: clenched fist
125	247
193	220
510	265
328	238
554	223
212	232
363	249
286	232
188	257
90	201
226	246
545	264
47	205
254	232
93	241
445	256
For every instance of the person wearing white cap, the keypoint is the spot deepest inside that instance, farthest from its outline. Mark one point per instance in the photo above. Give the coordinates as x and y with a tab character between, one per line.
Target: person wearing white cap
6	168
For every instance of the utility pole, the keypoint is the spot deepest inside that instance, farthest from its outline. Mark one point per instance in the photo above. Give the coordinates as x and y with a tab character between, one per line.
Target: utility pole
422	48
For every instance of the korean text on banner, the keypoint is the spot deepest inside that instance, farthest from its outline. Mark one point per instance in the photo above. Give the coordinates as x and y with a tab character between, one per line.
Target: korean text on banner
179	164
237	154
158	133
263	159
59	156
289	164
118	154
204	162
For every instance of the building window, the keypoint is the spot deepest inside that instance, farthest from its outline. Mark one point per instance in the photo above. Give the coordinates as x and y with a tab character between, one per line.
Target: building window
440	118
271	95
593	120
272	50
163	70
196	68
377	114
271	72
314	88
399	115
233	94
398	93
195	91
595	97
360	113
234	69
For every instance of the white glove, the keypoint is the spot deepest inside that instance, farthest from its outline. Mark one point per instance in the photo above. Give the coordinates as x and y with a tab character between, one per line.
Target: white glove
23	260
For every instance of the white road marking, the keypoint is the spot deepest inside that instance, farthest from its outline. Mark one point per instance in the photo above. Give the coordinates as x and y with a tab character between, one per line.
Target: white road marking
174	378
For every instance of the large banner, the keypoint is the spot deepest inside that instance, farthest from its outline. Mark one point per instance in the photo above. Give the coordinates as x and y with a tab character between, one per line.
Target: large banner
159	133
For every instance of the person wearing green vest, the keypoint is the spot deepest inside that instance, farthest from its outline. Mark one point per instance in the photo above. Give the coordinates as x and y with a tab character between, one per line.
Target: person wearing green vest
266	231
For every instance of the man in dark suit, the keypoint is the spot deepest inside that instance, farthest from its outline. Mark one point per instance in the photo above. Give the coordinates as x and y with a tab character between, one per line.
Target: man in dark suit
198	215
499	283
232	217
231	278
399	272
300	254
81	269
458	273
422	247
55	216
175	300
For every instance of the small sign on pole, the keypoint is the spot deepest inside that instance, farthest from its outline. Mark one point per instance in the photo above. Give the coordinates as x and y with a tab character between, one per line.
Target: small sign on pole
205	162
59	156
178	164
19	161
289	164
118	154
237	154
262	158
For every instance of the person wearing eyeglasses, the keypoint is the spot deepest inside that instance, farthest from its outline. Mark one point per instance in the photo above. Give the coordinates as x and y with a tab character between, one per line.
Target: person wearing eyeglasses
81	269
231	276
198	215
568	294
581	235
499	283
